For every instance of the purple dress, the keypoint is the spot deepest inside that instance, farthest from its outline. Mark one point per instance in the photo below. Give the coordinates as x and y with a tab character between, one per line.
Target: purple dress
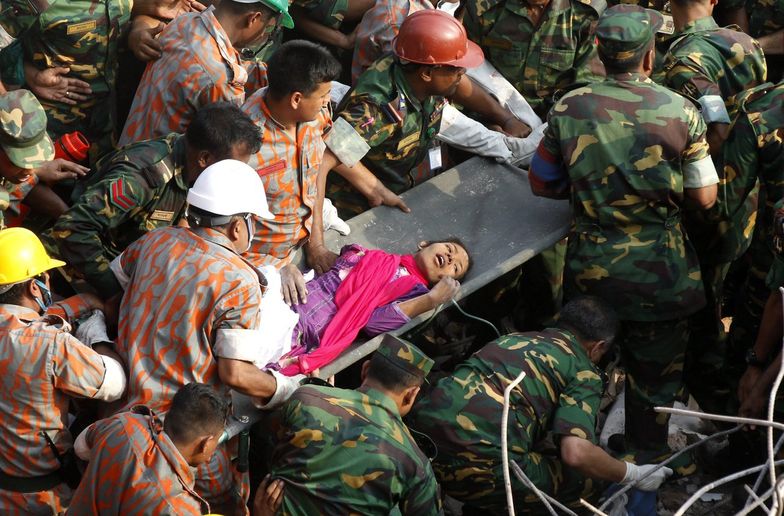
315	315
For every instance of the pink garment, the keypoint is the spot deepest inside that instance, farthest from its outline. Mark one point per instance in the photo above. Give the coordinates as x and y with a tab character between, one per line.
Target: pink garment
365	288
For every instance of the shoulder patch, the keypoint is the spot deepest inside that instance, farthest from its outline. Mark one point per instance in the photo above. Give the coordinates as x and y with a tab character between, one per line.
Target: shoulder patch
120	195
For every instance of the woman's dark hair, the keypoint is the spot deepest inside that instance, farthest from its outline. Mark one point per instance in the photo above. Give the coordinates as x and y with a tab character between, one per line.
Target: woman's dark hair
456	241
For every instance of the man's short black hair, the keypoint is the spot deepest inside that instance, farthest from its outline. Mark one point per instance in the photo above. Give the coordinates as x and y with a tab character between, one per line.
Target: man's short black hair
219	127
390	376
196	410
302	66
589	318
614	67
240	8
13	296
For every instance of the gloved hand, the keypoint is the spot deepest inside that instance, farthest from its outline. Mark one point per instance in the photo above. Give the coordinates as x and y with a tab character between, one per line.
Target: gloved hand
651	482
331	220
285	388
92	330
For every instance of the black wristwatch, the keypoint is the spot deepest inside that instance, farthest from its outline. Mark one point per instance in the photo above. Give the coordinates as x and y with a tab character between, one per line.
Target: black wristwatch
752	359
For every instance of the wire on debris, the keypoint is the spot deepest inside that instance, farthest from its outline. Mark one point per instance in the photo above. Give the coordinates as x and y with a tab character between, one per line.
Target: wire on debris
546	499
504	444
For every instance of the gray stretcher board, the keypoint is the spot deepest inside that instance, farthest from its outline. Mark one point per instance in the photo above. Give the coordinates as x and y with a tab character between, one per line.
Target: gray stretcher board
486	204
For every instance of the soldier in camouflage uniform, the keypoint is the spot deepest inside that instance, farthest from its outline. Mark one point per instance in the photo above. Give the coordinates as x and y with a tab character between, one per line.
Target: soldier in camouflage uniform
713	65
560	393
755	152
540	46
348	452
764	21
25	146
763	360
142	187
83	36
398	113
630	154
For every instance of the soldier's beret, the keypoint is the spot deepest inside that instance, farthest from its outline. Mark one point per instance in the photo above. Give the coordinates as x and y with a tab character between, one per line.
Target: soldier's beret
23	130
405	355
625	31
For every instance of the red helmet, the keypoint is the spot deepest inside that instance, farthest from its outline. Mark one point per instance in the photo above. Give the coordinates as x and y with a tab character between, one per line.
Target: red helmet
433	37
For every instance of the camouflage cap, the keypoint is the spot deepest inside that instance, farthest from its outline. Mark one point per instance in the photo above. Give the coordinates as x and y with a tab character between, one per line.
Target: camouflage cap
23	130
625	31
405	355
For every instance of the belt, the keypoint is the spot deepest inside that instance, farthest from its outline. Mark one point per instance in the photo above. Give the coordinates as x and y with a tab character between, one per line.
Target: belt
30	484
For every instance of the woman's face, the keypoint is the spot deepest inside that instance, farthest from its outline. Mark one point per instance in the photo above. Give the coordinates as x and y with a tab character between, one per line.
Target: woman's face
442	260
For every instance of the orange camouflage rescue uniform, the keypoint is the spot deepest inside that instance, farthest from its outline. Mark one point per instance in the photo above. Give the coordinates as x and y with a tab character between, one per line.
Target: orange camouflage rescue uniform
289	171
189	299
379	26
41	367
198	66
134	468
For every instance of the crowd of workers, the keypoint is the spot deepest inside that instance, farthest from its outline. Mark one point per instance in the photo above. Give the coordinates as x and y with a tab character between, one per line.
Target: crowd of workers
166	185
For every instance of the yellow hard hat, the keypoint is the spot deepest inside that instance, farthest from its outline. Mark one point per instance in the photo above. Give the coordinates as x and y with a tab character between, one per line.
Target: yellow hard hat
22	256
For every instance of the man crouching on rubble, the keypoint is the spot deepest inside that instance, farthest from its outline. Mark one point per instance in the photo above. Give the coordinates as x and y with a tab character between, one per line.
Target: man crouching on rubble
560	393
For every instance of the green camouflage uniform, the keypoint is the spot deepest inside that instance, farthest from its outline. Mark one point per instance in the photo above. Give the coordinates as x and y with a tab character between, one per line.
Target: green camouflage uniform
775	278
625	147
462	415
329	13
754	152
24	140
765	17
135	190
83	35
398	149
345	451
713	65
536	60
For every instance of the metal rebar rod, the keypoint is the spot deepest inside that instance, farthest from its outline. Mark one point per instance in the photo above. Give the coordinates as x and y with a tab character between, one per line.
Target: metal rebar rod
672	457
546	499
504	444
721	481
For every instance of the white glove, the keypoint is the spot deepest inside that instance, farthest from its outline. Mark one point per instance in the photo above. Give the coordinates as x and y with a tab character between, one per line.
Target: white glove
92	330
285	388
650	482
330	219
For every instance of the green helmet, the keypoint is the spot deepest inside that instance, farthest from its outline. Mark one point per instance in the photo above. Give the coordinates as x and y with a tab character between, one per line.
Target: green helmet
279	6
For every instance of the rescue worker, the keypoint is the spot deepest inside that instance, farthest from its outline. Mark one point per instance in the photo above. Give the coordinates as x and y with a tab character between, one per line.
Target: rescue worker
200	64
396	108
190	311
43	368
560	393
27	164
755	151
377	30
143	187
341	451
713	65
139	464
66	53
294	117
540	46
631	155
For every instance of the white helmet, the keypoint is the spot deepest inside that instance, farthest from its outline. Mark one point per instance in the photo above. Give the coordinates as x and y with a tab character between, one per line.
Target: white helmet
230	187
